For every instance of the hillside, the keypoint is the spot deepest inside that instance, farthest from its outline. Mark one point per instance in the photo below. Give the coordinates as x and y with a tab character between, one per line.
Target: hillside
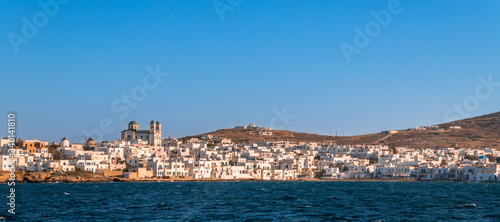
252	136
479	131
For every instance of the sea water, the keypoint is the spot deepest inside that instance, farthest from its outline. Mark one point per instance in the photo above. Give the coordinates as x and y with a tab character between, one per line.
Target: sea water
255	201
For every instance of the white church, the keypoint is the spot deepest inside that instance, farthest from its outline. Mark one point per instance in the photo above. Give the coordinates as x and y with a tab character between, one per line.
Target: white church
152	136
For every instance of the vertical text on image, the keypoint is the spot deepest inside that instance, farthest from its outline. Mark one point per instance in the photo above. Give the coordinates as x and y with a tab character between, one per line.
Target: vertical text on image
11	131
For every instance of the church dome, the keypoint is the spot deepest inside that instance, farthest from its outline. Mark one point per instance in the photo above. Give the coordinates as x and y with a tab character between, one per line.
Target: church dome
133	123
90	143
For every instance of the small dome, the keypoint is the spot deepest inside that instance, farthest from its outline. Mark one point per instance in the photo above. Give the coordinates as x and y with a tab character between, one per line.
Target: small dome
133	123
90	139
152	121
157	122
63	139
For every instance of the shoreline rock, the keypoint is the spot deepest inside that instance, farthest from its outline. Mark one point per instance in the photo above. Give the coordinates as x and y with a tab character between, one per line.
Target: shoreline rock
89	177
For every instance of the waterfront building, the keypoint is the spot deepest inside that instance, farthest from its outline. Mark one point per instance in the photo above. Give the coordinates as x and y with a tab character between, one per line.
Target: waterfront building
193	158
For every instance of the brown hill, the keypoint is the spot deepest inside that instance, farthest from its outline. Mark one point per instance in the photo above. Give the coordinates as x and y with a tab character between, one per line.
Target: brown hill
252	136
481	131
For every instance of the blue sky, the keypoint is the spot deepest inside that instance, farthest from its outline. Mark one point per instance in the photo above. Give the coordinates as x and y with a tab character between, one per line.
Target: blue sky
263	56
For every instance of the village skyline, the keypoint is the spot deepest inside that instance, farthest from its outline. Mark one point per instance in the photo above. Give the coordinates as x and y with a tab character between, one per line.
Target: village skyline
143	155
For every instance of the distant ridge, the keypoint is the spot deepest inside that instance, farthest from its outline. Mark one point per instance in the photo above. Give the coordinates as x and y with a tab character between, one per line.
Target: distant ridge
481	131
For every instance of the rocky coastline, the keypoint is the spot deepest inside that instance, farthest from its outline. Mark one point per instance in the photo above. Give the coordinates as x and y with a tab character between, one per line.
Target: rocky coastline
87	177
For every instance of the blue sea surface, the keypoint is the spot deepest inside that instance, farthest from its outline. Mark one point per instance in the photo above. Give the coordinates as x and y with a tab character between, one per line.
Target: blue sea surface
255	201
